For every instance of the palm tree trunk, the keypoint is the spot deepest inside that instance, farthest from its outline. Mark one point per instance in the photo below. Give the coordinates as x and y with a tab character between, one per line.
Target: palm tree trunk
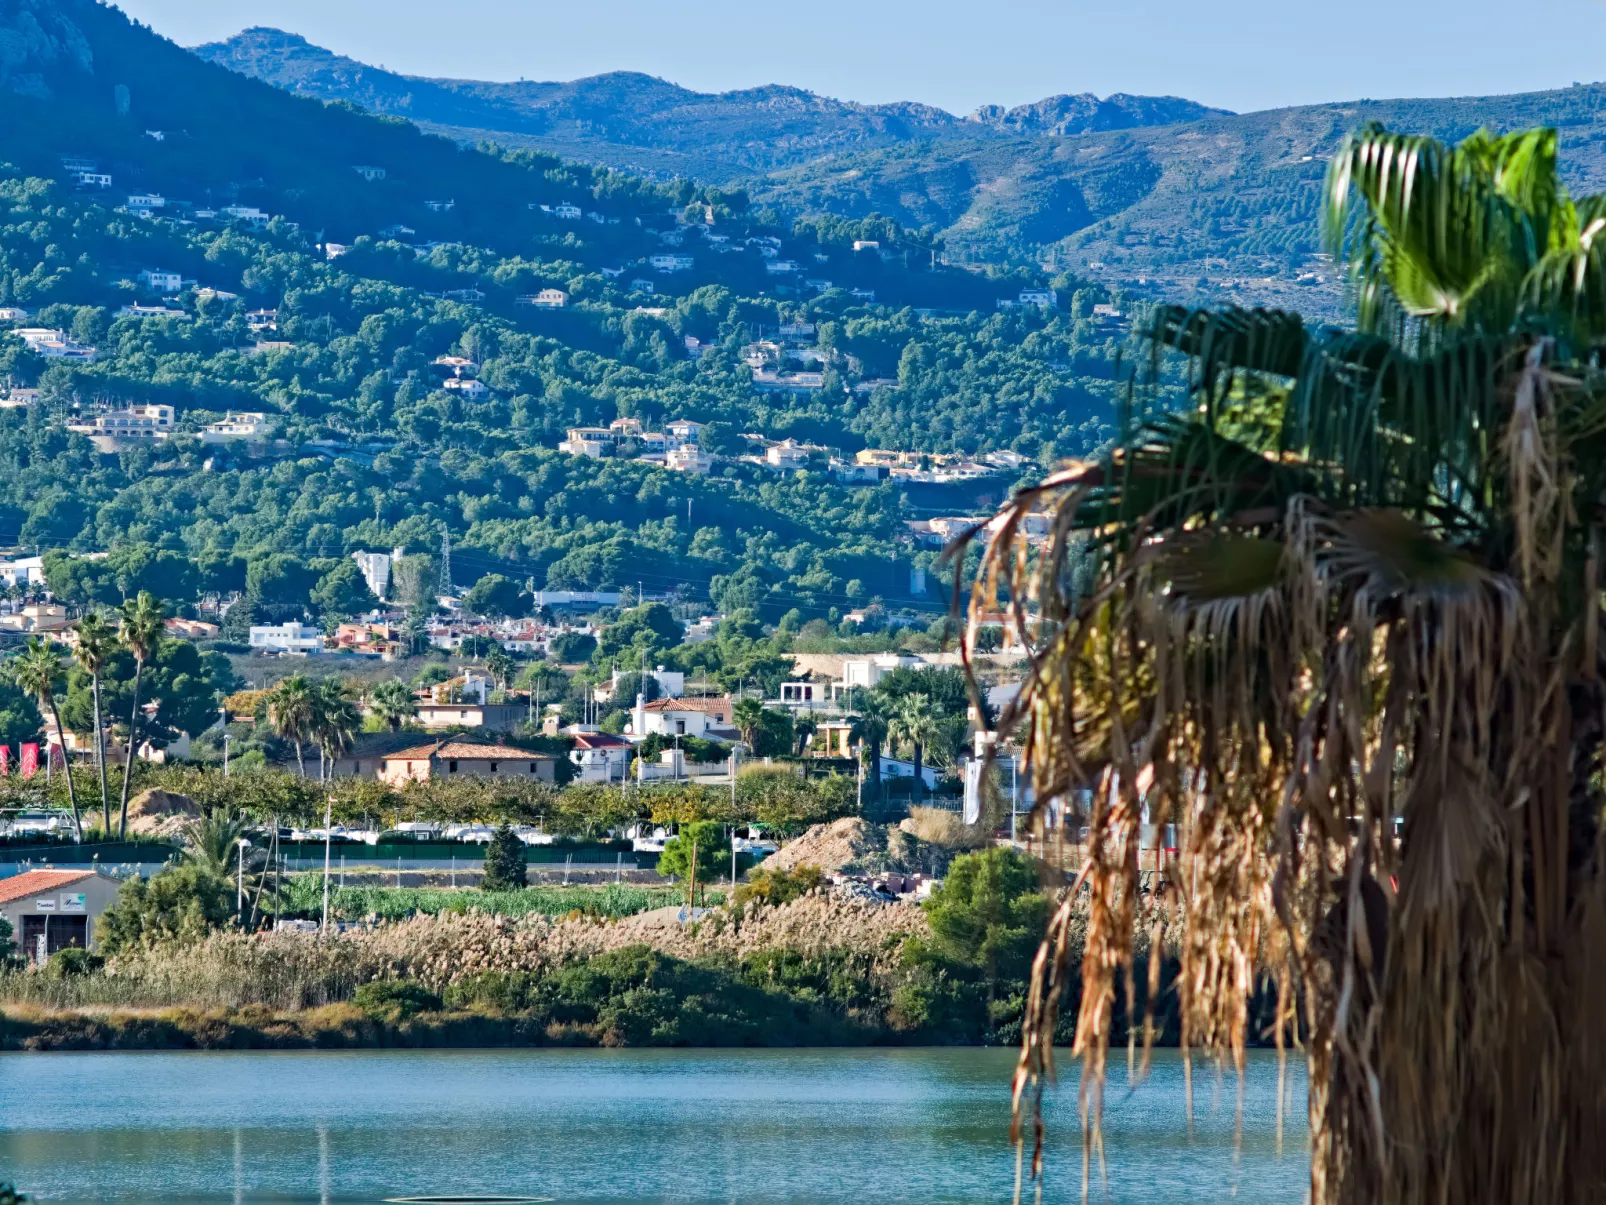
100	759
128	757
920	781
72	791
301	766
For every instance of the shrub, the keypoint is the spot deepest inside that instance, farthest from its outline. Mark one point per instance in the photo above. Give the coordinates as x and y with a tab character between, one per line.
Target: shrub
778	886
181	902
395	999
64	964
505	867
988	913
10	1196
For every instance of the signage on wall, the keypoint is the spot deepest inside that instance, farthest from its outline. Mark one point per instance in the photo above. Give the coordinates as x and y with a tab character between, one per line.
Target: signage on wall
72	902
44	904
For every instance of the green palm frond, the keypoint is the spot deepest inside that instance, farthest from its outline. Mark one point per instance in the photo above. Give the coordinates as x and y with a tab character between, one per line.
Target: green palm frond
1437	234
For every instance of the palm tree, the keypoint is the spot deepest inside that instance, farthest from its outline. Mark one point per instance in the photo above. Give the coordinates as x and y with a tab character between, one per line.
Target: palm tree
336	722
870	729
141	631
747	715
917	723
38	671
213	841
292	710
96	644
1339	621
393	702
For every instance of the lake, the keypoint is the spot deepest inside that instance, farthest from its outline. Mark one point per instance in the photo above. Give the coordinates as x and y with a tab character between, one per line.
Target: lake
770	1126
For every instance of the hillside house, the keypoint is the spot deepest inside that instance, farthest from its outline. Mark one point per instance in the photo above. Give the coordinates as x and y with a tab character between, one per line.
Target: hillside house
683	717
468	387
112	430
368	171
567	212
54	344
671	263
248	426
689	458
160	280
292	637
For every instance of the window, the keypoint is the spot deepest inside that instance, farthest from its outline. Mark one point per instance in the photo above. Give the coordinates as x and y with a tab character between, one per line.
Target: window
532	767
451	766
680	727
493	767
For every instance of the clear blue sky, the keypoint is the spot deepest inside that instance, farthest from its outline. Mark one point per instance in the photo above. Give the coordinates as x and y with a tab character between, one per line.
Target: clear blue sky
1239	54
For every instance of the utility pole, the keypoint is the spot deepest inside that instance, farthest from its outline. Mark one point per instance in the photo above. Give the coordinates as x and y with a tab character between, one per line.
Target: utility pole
446	560
328	806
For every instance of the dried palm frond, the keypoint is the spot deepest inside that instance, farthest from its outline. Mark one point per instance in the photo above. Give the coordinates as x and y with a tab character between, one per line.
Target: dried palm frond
1340	624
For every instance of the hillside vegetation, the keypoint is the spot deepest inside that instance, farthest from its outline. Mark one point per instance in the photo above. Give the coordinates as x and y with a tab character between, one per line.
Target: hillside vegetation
373	451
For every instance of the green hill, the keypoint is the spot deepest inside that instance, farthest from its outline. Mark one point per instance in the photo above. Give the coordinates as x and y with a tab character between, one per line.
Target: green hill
372	448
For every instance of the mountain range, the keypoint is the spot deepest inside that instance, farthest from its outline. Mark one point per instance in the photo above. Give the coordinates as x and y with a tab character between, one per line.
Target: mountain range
1158	193
634	121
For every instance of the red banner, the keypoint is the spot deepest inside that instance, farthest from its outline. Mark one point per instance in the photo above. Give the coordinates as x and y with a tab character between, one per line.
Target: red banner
30	760
5	759
57	756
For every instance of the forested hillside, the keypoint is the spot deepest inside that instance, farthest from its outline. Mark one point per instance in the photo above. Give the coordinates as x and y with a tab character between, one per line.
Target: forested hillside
372	450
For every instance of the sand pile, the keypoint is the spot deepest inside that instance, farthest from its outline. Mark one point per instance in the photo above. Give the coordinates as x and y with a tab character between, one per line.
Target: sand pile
159	813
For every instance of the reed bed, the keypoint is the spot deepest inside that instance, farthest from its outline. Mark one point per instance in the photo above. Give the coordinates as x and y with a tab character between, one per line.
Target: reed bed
291	971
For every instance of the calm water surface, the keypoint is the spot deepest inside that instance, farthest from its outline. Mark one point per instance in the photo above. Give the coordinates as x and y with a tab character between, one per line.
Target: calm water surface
739	1128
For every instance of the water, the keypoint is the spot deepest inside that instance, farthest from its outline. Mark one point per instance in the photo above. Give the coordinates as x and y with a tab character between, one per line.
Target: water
624	1127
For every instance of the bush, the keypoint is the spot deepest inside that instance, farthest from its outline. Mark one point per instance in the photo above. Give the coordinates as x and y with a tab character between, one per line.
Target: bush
395	1000
181	902
505	867
778	886
10	1196
988	913
65	964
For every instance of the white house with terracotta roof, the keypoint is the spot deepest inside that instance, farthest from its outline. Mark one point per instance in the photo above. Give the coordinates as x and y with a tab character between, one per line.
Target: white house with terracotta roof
600	757
682	717
451	759
50	910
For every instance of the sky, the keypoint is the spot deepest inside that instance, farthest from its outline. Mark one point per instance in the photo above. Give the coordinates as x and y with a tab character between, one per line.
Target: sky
956	54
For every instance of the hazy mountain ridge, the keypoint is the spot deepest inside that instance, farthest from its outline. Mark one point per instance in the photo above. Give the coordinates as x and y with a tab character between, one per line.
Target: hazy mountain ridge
626	118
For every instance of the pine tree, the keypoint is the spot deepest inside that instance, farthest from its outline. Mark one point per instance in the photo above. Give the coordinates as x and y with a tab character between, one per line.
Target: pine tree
504	862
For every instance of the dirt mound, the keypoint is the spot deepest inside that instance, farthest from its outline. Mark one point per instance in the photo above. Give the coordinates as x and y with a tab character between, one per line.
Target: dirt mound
855	846
159	813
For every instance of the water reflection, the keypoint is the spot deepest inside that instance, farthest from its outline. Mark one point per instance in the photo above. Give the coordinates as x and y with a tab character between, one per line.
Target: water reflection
714	1127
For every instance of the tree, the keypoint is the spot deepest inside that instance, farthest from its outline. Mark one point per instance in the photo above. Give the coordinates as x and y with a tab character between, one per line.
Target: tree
505	865
292	713
988	913
916	723
335	723
95	644
497	597
747	715
499	664
393	702
697	851
141	632
869	729
213	841
38	671
19	714
343	592
568	648
181	903
1338	619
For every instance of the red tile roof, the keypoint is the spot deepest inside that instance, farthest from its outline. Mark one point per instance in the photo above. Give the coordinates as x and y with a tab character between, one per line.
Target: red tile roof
598	740
466	751
719	706
31	882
